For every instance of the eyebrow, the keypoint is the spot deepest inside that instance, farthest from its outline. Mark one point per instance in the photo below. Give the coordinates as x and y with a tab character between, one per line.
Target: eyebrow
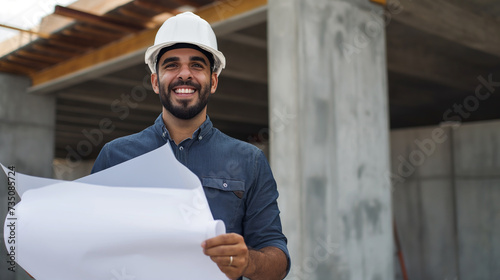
198	58
191	58
170	59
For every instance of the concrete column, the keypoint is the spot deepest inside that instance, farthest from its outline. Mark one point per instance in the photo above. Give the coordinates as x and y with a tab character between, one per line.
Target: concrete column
26	141
330	138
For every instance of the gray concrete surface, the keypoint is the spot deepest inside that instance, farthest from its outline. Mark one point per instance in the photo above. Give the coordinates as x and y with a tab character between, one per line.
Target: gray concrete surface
71	171
329	137
477	164
446	200
27	124
26	141
423	201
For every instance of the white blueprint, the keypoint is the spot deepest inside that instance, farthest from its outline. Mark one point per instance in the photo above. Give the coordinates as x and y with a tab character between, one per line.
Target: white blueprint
144	219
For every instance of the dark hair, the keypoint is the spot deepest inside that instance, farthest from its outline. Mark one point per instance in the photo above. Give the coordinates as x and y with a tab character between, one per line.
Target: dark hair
185	46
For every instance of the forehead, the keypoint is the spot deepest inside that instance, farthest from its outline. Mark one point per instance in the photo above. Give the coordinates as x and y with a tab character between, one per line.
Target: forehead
183	54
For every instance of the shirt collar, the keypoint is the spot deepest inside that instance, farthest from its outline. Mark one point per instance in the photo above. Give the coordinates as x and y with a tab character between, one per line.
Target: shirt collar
203	131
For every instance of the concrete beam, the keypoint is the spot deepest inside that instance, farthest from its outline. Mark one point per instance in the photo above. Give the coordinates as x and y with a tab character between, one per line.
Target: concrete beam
130	50
102	111
94	122
53	23
247	40
244	61
431	61
440	17
231	16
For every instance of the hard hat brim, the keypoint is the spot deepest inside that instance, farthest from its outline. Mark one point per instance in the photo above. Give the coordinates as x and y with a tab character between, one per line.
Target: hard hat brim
152	52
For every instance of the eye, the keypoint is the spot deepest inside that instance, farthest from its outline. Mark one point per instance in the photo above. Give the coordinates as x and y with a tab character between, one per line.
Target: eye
170	65
197	65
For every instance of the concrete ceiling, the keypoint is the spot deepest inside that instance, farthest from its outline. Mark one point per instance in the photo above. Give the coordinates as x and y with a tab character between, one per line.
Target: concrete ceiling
434	71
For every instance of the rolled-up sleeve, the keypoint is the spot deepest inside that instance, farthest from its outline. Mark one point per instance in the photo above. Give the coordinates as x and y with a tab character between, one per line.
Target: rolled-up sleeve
102	160
262	223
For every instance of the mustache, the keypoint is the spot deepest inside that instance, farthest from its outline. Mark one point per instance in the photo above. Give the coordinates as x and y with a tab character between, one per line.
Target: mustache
184	83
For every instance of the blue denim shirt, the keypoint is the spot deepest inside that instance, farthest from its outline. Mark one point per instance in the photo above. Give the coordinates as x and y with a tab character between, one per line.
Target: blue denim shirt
235	175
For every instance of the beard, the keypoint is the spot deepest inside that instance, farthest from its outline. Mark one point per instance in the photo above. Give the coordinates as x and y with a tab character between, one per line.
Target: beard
184	111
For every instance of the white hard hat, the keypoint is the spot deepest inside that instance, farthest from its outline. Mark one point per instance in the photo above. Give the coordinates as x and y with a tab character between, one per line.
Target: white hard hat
185	28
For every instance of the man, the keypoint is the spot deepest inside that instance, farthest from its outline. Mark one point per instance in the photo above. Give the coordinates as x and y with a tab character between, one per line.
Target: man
235	175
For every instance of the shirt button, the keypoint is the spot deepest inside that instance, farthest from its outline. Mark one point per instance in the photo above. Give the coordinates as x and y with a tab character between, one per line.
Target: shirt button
200	137
224	185
181	148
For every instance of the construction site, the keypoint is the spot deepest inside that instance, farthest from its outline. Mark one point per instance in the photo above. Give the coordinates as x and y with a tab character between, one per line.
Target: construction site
380	119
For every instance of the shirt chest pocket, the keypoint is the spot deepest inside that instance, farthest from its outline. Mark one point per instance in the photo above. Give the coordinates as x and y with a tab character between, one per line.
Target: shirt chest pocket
225	197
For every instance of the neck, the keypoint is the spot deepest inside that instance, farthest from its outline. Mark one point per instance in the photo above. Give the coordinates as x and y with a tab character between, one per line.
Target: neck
180	129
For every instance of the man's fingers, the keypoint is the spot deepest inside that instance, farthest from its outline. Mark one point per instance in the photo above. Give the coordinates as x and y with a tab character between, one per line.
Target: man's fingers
223	239
225	250
229	252
225	260
232	271
225	245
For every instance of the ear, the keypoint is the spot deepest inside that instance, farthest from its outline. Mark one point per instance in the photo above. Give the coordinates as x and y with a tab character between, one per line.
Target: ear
154	83
215	81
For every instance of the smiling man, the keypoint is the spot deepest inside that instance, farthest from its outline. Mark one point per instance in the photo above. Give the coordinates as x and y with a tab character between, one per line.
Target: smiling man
235	175
184	81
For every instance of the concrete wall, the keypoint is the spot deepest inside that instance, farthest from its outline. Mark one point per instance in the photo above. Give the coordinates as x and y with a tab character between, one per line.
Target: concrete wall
27	125
477	177
446	200
26	141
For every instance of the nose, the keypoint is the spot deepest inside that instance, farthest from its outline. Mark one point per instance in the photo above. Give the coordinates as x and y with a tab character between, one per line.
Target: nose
184	73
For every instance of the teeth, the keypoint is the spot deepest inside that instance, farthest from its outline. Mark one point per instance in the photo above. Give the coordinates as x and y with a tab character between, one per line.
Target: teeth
184	90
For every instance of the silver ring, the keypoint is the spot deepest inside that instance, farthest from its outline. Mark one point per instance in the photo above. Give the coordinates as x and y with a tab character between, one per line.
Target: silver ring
230	260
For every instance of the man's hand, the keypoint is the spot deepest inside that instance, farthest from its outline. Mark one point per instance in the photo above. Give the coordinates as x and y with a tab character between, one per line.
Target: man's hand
268	263
229	252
